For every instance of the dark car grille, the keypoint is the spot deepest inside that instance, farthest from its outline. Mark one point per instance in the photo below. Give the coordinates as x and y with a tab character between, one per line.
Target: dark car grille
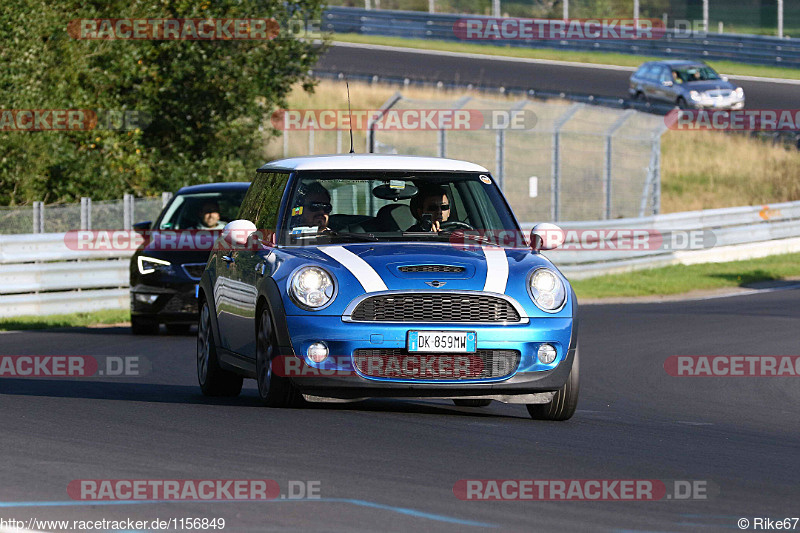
438	307
431	268
181	303
194	270
394	363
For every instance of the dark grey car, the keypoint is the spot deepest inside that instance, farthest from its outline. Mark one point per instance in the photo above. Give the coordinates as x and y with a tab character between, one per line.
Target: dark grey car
687	84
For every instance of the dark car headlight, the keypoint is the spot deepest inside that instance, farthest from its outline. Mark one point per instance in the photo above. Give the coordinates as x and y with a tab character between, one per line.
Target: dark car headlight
312	287
148	265
546	290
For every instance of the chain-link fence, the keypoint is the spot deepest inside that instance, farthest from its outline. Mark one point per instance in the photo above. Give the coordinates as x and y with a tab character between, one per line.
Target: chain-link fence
568	162
58	218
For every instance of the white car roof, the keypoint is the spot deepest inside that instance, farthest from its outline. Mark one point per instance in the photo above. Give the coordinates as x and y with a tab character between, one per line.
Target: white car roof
373	162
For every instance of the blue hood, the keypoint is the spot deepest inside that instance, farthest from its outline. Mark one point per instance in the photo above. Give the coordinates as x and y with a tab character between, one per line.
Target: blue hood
385	259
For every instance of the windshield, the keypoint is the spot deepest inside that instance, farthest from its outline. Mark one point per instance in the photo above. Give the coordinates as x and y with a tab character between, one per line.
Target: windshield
392	206
695	73
208	210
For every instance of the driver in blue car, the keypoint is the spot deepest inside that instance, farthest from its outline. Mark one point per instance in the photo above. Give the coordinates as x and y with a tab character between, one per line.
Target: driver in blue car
430	207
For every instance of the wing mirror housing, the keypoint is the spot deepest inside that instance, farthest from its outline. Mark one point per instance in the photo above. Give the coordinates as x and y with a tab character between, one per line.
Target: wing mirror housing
238	232
546	236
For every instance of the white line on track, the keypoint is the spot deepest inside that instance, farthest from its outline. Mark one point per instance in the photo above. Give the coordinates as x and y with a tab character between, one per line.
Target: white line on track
574	64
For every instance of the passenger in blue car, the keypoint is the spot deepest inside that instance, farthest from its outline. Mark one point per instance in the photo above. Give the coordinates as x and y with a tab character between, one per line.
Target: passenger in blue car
430	207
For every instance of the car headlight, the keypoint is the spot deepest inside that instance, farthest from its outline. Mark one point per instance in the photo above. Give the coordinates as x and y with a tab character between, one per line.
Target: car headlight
148	265
547	290
739	92
694	95
312	288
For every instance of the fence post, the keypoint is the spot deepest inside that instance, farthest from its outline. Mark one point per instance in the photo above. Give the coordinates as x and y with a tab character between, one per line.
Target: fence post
388	104
555	170
431	6
126	211
441	142
607	189
38	217
311	141
496	8
657	175
165	198
86	213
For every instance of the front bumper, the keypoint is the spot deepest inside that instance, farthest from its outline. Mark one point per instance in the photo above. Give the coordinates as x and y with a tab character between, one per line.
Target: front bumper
722	104
174	303
338	377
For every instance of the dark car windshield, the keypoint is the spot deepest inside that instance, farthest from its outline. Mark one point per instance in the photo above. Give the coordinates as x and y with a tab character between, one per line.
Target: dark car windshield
206	210
392	206
695	73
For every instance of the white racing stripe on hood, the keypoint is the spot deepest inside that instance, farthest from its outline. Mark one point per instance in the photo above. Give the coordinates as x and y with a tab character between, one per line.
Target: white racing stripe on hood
496	269
365	274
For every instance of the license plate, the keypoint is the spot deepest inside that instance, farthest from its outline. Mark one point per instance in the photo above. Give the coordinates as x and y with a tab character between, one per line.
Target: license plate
442	341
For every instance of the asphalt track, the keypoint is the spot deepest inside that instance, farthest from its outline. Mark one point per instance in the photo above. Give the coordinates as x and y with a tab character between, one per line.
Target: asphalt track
391	465
495	71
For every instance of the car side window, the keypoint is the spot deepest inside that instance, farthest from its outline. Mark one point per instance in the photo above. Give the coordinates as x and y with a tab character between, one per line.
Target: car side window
263	199
664	75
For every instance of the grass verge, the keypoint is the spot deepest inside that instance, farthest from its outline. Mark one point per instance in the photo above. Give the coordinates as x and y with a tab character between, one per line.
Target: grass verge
680	279
596	58
108	316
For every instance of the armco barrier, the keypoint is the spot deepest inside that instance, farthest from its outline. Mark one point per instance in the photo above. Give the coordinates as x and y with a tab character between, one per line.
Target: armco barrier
40	275
754	49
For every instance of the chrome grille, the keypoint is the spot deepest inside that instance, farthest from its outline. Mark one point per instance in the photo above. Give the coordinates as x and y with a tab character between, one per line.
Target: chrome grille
431	268
194	270
434	307
390	363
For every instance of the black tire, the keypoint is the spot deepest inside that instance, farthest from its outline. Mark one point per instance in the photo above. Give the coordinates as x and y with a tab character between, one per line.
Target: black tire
143	326
565	401
213	380
274	390
178	329
472	403
681	102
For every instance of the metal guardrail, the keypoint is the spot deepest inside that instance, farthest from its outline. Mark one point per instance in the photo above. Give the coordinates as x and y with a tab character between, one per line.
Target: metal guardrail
40	275
755	49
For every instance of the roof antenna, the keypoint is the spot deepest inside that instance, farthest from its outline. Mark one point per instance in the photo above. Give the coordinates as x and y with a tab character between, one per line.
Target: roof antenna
350	113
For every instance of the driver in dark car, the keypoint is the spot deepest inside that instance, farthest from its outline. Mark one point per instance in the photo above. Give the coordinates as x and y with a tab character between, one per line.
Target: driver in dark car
430	200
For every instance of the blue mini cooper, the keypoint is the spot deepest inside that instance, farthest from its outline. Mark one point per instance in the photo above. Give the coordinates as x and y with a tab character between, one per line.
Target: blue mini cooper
354	276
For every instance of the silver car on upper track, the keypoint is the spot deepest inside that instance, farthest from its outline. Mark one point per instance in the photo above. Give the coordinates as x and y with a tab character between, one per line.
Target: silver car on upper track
687	84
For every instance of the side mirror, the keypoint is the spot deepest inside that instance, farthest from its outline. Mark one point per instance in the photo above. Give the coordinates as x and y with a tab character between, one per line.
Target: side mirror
143	225
546	236
724	78
238	231
667	83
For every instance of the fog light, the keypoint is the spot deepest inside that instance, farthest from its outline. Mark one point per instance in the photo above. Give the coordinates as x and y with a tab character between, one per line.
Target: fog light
317	352
146	298
547	354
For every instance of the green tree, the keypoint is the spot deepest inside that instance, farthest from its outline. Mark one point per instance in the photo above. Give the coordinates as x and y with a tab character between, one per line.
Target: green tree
206	99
